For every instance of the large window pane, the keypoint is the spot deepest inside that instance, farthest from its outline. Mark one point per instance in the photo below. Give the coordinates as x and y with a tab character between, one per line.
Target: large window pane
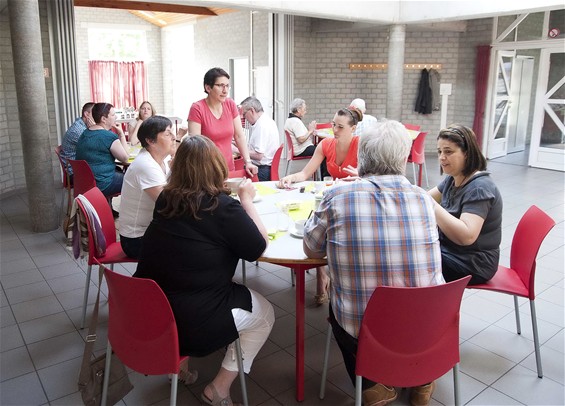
551	135
557	20
531	28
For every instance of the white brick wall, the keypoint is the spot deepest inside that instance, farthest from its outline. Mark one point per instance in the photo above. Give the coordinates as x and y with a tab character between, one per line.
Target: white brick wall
322	76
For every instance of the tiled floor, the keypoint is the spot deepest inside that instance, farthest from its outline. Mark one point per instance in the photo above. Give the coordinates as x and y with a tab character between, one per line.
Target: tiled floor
42	287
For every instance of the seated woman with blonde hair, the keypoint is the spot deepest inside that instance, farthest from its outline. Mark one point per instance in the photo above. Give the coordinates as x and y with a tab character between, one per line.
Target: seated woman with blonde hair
191	249
145	111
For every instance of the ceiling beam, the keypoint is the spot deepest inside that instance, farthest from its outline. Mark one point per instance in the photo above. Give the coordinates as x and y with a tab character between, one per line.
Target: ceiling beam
145	6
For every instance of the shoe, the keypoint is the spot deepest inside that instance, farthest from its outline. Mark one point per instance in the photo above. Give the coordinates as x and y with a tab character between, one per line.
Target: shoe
216	401
421	395
186	377
321	299
379	395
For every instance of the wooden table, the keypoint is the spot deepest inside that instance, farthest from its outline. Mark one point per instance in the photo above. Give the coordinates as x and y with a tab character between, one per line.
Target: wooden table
286	250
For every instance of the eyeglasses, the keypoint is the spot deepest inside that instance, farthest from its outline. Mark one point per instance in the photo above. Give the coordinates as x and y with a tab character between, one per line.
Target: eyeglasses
224	86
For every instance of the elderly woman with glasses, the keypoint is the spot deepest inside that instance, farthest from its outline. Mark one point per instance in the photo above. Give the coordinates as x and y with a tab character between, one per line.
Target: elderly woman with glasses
217	117
100	147
144	181
468	209
340	153
191	249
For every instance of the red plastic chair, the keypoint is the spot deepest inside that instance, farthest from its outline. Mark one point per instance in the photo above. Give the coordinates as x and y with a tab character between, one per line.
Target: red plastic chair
114	253
66	180
519	279
143	333
418	157
276	163
242	173
412	127
290	152
408	336
83	178
321	126
238	163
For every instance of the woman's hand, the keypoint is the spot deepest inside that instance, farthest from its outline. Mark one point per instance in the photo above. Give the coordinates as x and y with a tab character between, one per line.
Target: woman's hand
251	169
246	191
285	183
351	171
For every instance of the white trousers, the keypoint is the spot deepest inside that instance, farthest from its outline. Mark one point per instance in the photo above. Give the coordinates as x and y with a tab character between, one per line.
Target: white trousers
254	329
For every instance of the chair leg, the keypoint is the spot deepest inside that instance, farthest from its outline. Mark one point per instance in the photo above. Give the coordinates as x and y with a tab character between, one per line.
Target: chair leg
358	390
241	372
456	384
174	388
426	175
292	277
326	360
517	314
243	271
106	375
420	168
286	169
414	172
85	299
536	338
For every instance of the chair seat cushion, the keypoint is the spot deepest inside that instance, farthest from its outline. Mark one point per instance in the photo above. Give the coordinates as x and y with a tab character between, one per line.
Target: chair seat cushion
505	280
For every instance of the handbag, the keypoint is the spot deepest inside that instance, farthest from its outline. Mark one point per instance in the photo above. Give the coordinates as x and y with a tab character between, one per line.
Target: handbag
91	377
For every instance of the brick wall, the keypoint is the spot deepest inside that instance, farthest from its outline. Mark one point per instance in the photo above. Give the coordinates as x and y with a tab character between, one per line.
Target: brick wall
323	79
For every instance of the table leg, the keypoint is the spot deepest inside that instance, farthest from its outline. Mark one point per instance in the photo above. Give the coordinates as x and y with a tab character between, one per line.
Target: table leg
300	287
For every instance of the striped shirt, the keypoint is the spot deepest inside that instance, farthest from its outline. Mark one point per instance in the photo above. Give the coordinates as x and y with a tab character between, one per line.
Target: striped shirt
380	231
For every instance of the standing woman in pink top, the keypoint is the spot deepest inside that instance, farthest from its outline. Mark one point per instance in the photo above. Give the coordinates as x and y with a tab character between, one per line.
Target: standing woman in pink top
217	118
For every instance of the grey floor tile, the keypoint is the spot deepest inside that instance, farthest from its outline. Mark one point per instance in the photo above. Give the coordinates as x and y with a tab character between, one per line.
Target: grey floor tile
483	365
33	309
503	343
21	278
54	350
6	316
523	384
22	264
552	364
469	388
64	269
10	338
61	379
14	363
46	327
28	292
492	397
557	342
24	390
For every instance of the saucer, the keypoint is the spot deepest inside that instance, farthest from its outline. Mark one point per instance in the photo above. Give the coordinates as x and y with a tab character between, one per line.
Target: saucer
296	234
256	199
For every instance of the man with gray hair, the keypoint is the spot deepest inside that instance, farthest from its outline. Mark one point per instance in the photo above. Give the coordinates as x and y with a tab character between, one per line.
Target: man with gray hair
263	139
302	138
378	230
368	120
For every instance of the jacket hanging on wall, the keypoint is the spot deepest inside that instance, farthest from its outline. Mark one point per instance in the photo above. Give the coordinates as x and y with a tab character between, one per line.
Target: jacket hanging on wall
424	99
435	79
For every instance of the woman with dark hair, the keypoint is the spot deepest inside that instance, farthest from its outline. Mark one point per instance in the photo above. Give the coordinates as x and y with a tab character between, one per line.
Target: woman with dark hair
144	181
340	153
468	209
191	249
217	117
100	148
145	111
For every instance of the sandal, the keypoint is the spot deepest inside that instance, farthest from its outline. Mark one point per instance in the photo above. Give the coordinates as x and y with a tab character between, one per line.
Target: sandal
186	377
321	299
216	401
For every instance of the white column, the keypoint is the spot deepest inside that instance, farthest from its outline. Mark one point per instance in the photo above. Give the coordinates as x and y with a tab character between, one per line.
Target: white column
397	36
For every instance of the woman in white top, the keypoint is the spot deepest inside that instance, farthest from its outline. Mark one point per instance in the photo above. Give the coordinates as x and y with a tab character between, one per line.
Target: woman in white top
145	111
144	181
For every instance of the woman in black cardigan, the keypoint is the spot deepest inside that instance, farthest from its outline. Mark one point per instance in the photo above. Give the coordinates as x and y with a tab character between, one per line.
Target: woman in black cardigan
191	249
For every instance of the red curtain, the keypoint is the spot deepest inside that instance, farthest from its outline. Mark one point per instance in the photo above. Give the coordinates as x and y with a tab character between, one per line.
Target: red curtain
481	83
122	84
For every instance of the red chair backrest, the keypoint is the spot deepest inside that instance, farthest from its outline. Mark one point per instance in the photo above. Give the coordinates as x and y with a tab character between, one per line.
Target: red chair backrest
417	153
412	127
83	178
532	229
66	179
100	204
289	146
238	163
276	163
320	126
141	325
410	336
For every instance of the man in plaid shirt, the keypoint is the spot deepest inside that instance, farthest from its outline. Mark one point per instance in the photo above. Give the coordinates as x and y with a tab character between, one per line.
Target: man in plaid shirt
379	230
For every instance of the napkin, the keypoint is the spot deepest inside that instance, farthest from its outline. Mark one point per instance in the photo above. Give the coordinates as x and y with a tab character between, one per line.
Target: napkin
264	190
303	212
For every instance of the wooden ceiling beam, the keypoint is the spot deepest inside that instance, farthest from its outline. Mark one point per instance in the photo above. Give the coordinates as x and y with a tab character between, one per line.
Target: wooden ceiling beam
145	6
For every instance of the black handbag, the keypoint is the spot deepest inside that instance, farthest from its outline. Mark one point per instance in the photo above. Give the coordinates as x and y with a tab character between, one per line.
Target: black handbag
91	377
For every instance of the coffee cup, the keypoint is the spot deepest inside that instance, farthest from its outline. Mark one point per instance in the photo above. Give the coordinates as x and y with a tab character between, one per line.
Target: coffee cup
233	184
317	201
299	226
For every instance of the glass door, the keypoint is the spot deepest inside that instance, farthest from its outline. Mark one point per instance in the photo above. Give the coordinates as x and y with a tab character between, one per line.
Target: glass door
499	115
547	149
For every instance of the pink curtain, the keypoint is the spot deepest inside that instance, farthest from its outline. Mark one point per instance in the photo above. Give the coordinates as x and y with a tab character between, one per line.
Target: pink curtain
481	83
122	84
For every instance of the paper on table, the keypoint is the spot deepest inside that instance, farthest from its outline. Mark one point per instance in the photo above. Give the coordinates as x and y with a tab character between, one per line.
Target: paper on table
303	212
264	190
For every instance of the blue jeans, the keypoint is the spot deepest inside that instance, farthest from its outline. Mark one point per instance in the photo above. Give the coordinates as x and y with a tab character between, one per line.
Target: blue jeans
264	173
116	186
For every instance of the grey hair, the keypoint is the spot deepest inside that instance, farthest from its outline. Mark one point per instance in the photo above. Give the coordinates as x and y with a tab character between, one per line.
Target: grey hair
251	102
296	104
384	149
